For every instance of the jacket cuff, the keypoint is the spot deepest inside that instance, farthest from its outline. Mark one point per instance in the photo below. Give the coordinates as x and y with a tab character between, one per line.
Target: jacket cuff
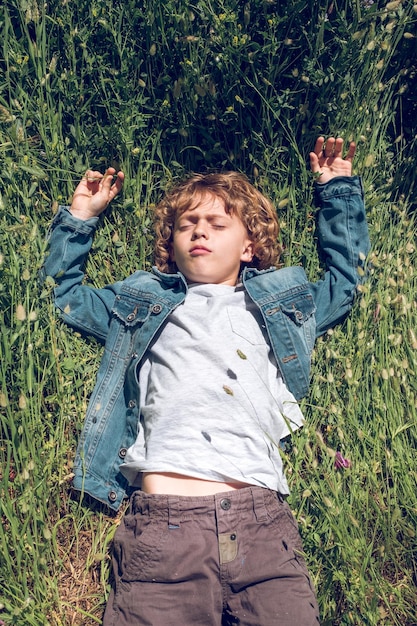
65	218
340	185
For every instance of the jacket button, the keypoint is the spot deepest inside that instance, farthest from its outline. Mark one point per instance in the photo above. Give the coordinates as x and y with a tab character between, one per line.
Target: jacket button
299	315
112	496
157	308
225	504
122	452
130	317
132	404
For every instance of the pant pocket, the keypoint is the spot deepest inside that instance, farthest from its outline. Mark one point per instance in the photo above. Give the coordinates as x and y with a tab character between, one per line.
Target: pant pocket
137	544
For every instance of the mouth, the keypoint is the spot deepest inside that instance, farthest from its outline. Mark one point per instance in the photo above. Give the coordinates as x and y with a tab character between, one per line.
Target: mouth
197	250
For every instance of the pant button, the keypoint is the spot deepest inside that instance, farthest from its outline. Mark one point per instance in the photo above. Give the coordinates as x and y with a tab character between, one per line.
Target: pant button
225	504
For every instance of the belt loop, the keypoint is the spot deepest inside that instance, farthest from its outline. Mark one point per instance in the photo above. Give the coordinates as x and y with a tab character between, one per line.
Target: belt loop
259	504
174	512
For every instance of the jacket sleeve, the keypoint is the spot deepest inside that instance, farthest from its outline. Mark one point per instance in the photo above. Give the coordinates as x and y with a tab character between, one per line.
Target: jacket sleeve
85	308
343	244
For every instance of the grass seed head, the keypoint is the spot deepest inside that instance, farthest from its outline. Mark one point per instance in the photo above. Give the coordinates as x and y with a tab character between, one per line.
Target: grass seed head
20	313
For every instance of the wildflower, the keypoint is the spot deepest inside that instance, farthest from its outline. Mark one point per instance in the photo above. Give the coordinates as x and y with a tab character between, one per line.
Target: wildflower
340	462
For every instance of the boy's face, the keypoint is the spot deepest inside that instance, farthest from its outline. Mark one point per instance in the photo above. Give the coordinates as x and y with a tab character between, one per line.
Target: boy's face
209	244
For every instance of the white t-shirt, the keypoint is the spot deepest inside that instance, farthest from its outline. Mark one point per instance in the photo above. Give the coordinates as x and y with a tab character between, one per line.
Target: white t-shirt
213	403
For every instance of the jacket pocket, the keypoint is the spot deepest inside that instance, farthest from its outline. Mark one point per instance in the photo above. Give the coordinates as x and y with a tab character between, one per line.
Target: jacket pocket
299	309
130	311
299	312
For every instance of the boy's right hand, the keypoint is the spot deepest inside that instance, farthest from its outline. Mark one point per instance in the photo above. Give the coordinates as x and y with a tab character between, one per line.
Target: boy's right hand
94	193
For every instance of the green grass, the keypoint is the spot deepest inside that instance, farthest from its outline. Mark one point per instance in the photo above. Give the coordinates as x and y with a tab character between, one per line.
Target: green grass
160	89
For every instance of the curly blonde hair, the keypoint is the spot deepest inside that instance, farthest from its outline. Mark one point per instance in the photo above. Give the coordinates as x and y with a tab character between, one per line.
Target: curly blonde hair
240	197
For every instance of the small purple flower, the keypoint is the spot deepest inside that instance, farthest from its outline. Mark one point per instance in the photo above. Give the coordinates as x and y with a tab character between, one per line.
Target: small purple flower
340	462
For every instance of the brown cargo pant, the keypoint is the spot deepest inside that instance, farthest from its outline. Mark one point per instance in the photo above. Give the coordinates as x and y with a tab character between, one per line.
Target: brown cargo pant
229	559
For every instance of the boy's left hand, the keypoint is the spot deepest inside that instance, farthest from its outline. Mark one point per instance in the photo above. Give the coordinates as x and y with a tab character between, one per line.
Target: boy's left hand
327	160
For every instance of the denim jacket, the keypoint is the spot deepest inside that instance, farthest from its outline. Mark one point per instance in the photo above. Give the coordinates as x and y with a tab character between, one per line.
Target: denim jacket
127	315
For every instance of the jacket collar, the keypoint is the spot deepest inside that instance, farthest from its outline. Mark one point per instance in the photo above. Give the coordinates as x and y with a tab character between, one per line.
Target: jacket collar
250	272
170	279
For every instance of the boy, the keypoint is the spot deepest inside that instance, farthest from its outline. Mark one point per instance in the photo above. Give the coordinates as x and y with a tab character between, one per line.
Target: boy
204	360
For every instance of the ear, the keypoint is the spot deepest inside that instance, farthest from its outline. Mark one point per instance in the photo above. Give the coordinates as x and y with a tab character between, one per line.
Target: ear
248	252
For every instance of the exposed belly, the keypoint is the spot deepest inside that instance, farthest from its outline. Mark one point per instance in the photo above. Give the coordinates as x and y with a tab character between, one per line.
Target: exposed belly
176	484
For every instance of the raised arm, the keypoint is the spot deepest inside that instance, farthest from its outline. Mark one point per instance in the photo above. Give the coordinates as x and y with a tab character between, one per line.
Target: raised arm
70	239
342	231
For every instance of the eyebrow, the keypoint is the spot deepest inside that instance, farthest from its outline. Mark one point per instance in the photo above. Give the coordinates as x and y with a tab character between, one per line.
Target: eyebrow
190	215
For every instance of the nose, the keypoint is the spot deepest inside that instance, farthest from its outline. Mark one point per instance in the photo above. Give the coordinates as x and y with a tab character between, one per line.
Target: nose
200	230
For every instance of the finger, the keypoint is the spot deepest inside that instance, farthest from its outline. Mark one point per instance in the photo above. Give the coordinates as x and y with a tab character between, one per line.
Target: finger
314	162
107	180
338	147
93	176
318	148
117	185
351	152
315	166
329	148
